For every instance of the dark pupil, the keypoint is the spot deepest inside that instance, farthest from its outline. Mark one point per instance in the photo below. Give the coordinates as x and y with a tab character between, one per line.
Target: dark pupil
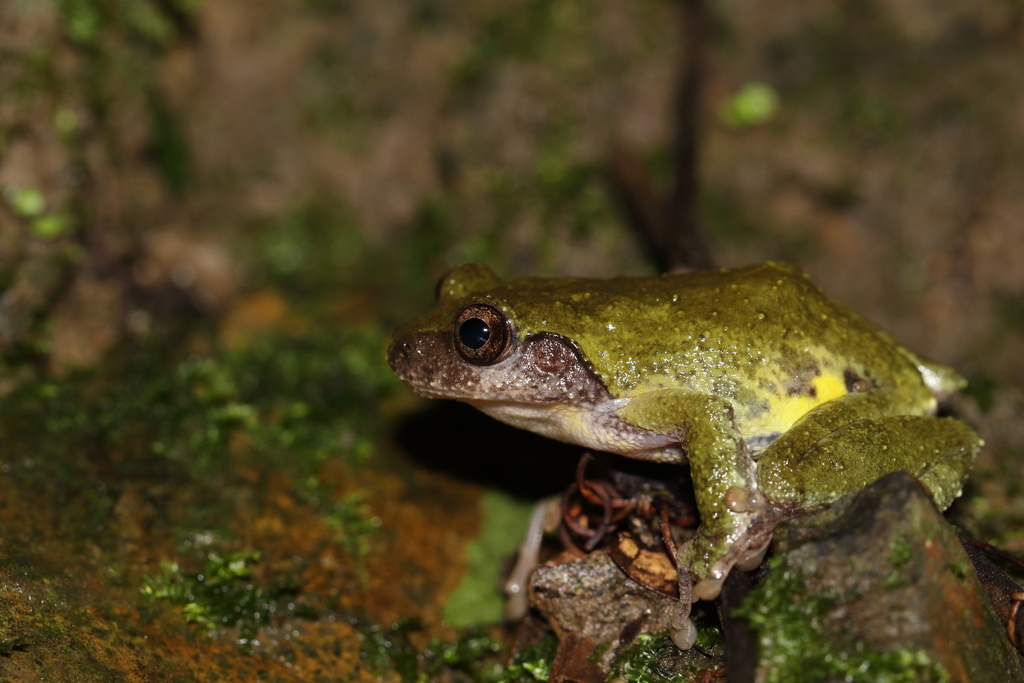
474	333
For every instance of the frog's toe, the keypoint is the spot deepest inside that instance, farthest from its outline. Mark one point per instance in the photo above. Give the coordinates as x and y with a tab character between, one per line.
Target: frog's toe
684	631
752	558
709	587
739	499
745	554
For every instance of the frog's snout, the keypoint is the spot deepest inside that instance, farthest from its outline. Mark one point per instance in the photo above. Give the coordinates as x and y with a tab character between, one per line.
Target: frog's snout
418	360
398	354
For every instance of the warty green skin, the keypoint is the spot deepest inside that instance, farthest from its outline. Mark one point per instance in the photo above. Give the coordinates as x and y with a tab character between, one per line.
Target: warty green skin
779	399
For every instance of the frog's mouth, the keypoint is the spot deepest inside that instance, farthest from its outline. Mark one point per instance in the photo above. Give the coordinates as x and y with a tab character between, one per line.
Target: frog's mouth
598	427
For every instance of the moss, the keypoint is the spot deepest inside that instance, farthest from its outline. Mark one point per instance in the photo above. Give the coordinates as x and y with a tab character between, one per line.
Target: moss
900	555
710	641
390	649
568	191
355	527
793	648
82	20
9	645
222	596
468	653
532	663
63	641
290	398
317	247
652	659
901	552
754	104
307	248
281	405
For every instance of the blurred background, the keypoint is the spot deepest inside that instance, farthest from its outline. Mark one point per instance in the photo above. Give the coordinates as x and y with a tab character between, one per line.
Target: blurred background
213	212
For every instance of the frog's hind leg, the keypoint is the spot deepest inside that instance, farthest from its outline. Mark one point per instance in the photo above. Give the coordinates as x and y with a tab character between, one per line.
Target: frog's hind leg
795	474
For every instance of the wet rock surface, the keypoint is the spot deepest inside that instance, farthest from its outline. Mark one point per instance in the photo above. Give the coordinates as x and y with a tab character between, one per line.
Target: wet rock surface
884	583
605	619
609	623
591	596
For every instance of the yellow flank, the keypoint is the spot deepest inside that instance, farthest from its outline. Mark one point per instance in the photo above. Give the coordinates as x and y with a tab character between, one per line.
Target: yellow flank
786	410
829	387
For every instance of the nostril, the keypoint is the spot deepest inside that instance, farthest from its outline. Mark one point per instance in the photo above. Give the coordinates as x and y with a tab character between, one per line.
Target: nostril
400	351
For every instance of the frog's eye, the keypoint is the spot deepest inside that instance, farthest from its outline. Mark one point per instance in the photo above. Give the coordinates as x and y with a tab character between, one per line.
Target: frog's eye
482	334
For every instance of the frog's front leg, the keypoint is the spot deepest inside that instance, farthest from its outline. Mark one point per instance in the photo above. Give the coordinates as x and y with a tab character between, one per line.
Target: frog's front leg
725	486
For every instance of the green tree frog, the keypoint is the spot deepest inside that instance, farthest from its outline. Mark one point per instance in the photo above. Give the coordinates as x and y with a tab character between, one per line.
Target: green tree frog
779	399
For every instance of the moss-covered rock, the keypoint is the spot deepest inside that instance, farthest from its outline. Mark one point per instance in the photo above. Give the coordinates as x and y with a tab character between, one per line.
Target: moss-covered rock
877	588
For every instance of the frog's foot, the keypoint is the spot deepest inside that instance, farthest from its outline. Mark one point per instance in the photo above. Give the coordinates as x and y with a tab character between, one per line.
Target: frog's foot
706	573
743	557
684	631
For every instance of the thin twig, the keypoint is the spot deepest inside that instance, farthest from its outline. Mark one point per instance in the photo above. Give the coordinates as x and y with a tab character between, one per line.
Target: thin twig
685	242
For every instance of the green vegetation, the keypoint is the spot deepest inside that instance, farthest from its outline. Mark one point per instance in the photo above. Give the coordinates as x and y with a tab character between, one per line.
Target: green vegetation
145	30
651	658
222	596
354	527
793	644
7	647
152	23
477	599
710	640
754	104
475	654
29	204
315	249
178	442
169	145
532	663
280	404
389	649
960	570
294	400
901	554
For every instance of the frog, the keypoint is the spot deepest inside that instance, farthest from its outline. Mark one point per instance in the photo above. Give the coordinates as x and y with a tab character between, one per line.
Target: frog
778	399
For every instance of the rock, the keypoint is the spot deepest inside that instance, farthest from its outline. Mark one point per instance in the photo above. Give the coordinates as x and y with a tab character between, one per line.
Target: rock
592	598
877	588
606	621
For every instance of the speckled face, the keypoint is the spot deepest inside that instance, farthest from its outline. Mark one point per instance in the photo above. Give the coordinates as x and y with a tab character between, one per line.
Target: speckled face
535	369
539	381
475	351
